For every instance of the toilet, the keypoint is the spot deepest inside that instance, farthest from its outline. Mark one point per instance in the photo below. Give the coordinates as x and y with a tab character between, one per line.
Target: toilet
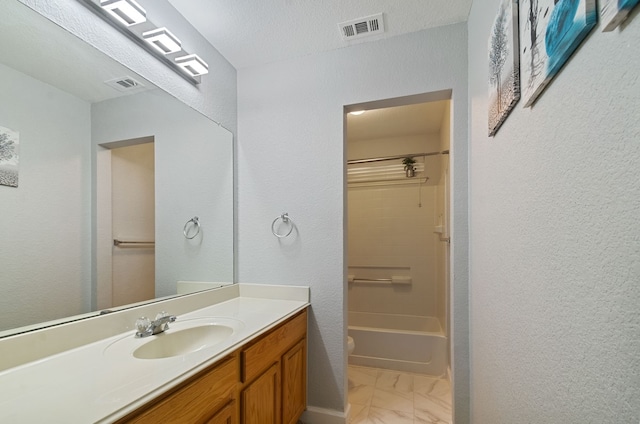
350	344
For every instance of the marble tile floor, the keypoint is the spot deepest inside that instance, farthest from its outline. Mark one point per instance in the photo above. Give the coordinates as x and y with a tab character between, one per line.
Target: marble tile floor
380	396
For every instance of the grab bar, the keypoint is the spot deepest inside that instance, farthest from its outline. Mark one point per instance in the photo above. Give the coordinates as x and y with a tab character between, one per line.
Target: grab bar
122	243
392	280
372	280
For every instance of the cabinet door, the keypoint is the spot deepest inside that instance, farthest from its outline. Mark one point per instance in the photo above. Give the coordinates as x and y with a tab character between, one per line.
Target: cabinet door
226	415
294	383
261	399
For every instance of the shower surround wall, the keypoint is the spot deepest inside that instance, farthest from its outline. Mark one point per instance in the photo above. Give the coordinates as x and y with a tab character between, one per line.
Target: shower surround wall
390	233
442	208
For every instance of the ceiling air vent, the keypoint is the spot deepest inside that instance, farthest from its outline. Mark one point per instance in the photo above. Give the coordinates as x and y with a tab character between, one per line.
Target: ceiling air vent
358	28
125	84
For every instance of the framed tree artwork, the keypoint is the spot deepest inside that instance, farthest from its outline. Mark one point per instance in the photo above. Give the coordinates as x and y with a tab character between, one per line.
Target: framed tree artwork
504	65
9	141
550	31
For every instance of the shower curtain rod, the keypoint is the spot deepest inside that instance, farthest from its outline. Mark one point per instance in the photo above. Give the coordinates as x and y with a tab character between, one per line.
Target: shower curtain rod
354	161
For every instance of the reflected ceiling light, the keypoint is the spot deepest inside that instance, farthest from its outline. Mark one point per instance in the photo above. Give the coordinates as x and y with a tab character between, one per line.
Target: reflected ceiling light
128	12
193	65
357	112
163	40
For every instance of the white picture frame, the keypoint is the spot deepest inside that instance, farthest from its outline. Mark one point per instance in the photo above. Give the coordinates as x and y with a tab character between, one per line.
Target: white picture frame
549	34
504	65
614	12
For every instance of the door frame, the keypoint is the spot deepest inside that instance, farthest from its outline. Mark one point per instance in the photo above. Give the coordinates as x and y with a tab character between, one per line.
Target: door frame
103	241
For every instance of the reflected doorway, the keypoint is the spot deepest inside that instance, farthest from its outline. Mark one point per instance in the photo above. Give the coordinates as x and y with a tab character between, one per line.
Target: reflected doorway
126	209
133	218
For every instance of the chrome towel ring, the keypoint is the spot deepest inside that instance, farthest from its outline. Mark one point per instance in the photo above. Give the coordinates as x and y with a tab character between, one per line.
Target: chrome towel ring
196	224
285	219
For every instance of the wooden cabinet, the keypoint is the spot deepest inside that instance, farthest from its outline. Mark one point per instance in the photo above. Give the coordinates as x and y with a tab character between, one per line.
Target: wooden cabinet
226	415
273	370
264	382
260	400
294	382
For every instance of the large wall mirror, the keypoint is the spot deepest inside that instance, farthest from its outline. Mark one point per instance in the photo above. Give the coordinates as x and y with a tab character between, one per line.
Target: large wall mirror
91	153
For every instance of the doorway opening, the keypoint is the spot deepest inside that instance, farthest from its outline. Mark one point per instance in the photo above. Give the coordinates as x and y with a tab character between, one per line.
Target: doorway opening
126	222
398	215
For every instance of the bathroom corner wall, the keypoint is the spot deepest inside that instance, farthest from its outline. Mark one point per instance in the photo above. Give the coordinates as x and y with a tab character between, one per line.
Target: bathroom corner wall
555	238
291	158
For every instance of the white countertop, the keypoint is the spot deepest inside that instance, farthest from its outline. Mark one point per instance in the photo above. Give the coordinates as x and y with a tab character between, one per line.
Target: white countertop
90	384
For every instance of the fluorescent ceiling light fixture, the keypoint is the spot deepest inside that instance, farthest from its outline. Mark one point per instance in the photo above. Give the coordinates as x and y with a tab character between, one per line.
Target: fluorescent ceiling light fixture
128	12
163	40
357	112
193	65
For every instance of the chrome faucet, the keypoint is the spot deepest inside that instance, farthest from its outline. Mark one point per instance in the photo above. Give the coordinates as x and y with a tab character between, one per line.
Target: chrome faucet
145	327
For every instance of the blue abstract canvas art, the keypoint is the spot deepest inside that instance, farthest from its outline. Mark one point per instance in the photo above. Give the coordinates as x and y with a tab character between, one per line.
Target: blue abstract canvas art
550	31
613	12
504	64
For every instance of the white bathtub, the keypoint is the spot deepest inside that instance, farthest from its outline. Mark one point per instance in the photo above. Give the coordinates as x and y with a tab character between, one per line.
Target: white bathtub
398	342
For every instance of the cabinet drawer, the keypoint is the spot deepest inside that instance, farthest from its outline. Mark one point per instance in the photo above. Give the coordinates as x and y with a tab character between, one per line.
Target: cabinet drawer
260	355
196	400
227	415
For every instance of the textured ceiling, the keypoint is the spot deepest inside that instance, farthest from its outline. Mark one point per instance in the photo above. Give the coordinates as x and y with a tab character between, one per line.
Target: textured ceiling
254	32
417	119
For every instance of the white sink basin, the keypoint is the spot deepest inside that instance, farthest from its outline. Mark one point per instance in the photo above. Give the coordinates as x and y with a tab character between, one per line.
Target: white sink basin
182	338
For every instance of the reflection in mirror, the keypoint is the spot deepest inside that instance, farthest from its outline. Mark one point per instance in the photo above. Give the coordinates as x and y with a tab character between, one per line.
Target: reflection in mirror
95	162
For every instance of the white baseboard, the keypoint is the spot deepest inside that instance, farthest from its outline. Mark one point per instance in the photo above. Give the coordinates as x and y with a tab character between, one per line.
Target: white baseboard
315	415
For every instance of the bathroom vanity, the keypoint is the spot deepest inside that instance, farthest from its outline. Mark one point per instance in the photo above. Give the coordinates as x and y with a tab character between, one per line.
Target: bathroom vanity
241	359
261	382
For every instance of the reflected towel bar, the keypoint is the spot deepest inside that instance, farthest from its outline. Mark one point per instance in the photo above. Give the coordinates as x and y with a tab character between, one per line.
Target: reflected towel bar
393	280
373	280
122	243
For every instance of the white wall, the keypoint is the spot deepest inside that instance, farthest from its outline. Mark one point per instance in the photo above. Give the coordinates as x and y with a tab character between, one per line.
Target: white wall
555	252
45	221
215	97
291	158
